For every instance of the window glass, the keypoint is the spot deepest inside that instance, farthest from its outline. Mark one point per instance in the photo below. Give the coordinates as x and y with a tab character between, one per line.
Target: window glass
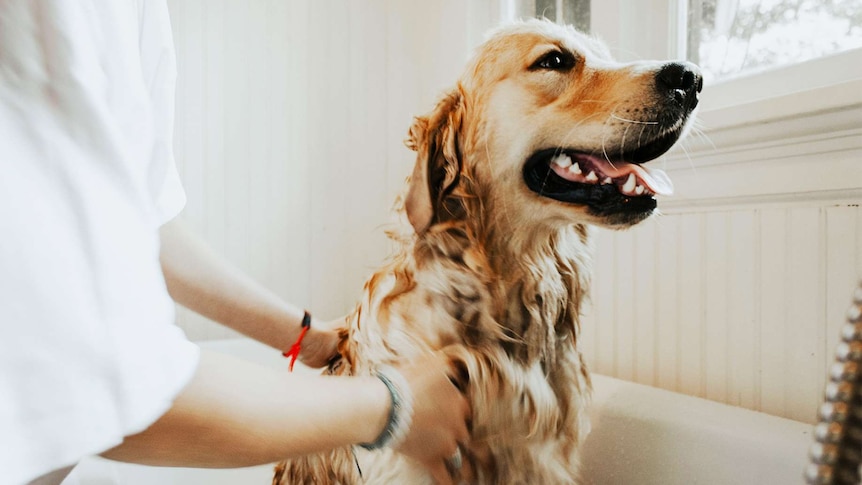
731	37
574	12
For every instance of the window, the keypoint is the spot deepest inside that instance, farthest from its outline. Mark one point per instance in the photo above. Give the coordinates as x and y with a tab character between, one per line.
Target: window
749	50
574	12
731	37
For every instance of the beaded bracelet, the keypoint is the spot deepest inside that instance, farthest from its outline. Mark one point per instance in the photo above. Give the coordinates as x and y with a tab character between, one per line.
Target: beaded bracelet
400	413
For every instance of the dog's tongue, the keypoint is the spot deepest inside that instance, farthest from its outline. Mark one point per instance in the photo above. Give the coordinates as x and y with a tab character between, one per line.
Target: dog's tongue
654	179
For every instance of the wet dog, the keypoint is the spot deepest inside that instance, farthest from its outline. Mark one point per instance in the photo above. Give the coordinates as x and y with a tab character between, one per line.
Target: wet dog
543	137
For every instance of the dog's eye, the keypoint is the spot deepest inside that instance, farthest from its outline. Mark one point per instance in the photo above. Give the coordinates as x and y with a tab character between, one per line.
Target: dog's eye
555	60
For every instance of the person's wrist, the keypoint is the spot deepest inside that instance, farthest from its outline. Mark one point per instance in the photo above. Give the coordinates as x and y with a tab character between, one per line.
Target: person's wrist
286	326
296	348
318	328
379	405
400	415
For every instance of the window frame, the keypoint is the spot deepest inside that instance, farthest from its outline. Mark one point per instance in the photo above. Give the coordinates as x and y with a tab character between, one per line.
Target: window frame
658	29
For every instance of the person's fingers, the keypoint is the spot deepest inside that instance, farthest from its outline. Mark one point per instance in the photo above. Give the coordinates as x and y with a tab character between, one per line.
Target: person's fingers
463	433
465	418
466	472
321	344
441	418
440	473
458	374
461	406
455	463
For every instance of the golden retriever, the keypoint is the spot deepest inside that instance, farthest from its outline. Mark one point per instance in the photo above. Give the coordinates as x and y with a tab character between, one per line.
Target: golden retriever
543	136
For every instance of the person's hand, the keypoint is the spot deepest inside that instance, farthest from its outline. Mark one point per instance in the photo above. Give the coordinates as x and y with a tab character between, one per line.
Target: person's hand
440	416
320	344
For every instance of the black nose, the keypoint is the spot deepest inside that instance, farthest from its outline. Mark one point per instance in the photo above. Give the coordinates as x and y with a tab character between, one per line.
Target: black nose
681	81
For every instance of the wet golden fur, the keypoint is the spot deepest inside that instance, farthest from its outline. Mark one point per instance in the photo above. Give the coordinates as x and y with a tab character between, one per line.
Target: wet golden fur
488	270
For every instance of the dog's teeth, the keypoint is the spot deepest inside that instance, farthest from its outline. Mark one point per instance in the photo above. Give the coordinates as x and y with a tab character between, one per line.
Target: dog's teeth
575	169
563	161
592	177
606	181
630	184
639	189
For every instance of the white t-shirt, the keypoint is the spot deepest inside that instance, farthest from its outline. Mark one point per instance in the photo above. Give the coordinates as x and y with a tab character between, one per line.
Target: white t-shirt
89	352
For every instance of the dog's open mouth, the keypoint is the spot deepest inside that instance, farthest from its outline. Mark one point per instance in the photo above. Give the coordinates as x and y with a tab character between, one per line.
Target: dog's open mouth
605	184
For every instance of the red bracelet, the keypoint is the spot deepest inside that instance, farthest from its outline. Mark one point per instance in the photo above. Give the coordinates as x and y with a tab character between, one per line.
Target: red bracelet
293	353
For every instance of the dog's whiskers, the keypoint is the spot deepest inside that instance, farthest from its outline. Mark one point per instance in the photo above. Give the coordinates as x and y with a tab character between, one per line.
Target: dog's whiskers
701	134
599	101
544	181
578	124
505	208
604	137
688	157
684	142
623	141
572	130
636	122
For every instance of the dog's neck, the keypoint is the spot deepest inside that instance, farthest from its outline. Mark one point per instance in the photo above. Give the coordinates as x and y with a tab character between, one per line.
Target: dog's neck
537	277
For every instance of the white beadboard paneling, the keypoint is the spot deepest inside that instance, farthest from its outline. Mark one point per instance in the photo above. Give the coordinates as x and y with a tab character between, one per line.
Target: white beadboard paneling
367	206
284	27
404	88
715	311
258	78
236	131
433	35
769	171
624	316
746	302
195	78
328	71
294	197
841	263
588	341
644	280
667	310
603	305
289	129
773	254
743	330
213	181
589	338
805	379
690	274
756	256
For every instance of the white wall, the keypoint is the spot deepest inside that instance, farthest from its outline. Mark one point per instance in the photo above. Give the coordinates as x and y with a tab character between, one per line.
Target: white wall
289	129
737	292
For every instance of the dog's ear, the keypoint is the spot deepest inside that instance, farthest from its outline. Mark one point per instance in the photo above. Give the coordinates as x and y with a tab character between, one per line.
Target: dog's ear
434	138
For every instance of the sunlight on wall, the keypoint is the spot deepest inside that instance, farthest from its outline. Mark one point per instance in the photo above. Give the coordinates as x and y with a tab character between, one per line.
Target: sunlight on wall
289	129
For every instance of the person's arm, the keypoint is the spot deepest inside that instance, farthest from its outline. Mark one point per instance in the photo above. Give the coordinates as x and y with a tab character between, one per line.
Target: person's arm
202	281
237	414
234	413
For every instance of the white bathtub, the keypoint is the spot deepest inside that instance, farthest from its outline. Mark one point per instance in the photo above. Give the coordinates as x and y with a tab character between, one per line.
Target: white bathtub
640	436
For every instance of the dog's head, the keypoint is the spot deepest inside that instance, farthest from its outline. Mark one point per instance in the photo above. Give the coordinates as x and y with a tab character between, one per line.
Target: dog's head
545	127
